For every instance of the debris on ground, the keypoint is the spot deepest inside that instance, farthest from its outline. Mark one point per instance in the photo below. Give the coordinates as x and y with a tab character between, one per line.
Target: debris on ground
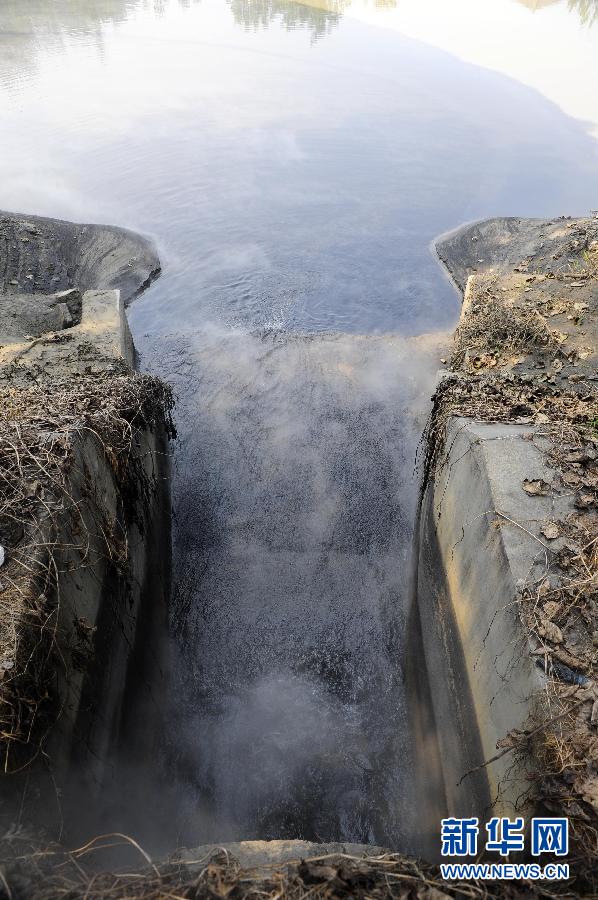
218	875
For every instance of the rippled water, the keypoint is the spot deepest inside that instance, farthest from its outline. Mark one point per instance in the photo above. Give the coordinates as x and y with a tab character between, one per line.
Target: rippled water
293	165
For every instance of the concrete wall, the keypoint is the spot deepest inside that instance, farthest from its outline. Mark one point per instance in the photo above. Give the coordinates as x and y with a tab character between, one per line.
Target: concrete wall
480	537
41	256
101	338
479	541
109	580
113	595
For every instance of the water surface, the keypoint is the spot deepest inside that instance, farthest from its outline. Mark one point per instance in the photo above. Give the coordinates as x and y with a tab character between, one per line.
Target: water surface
293	163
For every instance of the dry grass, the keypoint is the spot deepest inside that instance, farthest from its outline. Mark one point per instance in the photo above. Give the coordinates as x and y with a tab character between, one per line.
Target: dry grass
56	875
40	422
493	330
564	741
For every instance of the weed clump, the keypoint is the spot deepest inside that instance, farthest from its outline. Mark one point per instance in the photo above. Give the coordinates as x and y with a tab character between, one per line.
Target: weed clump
41	422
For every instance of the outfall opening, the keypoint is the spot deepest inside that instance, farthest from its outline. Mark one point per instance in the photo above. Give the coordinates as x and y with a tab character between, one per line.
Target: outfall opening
266	698
331	666
294	498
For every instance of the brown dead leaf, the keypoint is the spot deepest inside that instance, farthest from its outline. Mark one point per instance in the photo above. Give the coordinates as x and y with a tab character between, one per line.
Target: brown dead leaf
577	456
585	500
588	788
571	479
551	608
550	631
550	530
512	739
536	487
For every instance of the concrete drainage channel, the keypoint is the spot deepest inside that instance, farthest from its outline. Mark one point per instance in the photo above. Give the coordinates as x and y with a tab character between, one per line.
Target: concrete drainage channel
84	519
84	526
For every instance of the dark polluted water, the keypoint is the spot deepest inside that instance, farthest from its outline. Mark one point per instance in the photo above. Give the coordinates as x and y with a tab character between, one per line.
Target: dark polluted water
293	165
294	502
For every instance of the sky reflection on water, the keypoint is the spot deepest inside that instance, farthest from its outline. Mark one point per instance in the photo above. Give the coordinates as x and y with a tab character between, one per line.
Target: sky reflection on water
288	182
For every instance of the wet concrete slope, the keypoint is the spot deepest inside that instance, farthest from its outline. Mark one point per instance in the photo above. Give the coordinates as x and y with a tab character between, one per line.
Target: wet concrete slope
43	256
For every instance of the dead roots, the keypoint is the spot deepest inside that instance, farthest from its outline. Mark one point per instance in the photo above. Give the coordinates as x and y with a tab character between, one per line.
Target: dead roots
54	875
41	423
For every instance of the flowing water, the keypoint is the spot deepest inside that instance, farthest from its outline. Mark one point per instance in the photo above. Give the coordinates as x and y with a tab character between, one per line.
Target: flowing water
293	163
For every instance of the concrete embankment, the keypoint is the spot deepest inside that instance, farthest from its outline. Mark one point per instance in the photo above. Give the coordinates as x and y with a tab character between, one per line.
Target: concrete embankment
505	604
43	256
84	514
506	571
